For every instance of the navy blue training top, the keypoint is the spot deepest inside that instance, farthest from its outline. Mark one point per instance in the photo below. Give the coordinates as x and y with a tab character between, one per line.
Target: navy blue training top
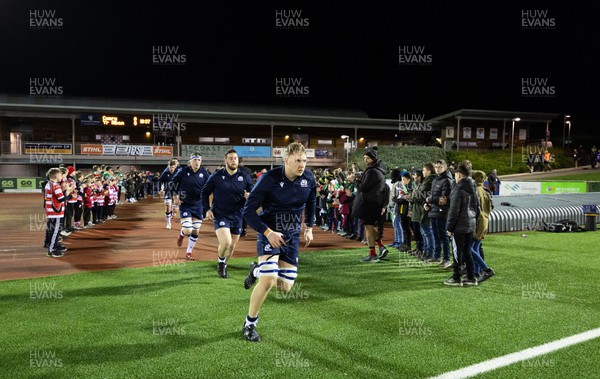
165	180
189	184
282	202
228	192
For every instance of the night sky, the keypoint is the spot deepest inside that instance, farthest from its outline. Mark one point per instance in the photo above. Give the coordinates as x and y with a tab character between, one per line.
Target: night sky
385	58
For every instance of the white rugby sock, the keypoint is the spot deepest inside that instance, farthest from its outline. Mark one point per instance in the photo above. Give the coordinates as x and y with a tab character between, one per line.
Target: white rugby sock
191	243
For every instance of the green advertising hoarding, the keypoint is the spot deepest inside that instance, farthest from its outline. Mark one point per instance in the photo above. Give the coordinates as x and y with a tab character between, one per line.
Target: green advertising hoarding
25	184
563	187
8	183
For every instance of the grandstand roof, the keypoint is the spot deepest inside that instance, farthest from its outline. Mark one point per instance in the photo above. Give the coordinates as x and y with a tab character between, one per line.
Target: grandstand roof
481	114
62	107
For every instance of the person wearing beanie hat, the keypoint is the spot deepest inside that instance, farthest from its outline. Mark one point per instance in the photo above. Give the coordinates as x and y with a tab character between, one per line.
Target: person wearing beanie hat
372	153
70	170
370	204
395	175
493	182
460	224
480	268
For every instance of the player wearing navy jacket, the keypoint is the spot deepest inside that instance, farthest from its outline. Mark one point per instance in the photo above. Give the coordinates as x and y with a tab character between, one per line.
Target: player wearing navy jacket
283	193
167	189
188	183
230	188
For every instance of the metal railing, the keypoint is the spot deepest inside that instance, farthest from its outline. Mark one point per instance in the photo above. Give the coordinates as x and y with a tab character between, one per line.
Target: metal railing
511	219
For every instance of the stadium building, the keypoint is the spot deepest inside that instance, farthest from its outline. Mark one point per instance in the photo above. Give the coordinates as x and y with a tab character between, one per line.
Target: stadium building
38	133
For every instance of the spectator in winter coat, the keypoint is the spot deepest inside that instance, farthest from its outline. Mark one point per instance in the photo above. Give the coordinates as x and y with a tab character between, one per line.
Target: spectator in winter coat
438	211
480	268
462	216
371	201
493	182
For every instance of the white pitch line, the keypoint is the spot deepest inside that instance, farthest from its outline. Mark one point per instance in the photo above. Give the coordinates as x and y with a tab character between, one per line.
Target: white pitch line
519	356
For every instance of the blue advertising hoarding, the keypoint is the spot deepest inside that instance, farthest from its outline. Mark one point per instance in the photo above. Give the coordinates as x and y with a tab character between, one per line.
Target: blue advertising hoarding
253	151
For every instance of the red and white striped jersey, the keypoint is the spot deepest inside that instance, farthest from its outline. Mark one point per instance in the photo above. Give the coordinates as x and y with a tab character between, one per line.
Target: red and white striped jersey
116	193
94	193
100	196
54	199
74	198
112	195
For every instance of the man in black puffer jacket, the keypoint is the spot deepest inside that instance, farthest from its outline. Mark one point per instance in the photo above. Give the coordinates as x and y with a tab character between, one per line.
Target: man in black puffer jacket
462	217
438	211
372	194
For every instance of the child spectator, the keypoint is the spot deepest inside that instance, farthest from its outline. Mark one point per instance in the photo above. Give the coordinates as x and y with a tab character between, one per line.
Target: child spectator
99	206
346	198
332	205
402	201
480	268
55	197
78	176
88	202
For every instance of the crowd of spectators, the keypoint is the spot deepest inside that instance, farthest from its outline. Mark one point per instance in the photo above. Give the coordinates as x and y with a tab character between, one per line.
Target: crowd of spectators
418	208
582	157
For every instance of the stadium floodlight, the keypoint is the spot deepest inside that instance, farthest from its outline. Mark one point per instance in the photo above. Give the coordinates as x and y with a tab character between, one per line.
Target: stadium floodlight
512	139
564	127
346	147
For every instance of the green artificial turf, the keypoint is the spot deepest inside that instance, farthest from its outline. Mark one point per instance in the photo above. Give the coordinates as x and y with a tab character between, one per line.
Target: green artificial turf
593	176
343	319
